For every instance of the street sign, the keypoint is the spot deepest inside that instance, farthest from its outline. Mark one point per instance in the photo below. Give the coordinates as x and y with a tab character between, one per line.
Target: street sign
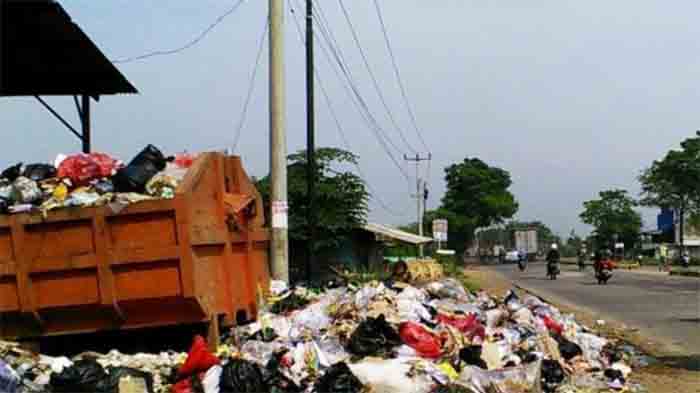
440	230
619	245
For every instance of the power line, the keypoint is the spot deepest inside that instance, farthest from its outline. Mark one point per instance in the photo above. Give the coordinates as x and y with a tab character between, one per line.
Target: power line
358	100
334	48
251	85
188	45
398	75
341	132
373	77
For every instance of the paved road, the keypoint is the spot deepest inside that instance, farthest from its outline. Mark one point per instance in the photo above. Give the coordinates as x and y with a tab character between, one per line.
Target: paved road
661	306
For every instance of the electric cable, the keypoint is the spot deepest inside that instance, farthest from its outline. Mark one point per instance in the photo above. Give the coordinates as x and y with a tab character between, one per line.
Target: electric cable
188	45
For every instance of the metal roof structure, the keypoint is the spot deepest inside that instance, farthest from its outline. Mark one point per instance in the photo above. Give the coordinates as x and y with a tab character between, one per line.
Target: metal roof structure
43	52
384	232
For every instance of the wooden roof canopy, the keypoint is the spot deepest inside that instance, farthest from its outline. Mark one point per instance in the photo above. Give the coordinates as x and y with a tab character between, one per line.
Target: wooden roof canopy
42	53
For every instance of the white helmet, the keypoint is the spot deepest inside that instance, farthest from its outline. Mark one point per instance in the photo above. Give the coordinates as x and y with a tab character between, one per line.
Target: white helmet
554	246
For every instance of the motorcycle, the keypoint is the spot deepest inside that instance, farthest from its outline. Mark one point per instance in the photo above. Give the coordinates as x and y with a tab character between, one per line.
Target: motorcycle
552	270
522	264
604	272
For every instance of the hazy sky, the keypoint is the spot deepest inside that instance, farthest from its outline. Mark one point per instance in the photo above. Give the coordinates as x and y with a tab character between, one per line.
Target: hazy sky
570	96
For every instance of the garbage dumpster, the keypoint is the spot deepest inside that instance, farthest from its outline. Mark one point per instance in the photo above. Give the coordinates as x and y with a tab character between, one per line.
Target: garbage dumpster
199	257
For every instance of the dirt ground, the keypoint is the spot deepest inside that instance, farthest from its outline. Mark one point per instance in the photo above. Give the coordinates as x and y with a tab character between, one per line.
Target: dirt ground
677	372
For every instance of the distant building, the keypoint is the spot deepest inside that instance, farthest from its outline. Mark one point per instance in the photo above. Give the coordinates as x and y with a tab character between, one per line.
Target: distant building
363	249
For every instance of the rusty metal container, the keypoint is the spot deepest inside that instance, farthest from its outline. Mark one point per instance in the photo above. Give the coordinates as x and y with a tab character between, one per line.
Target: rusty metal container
200	257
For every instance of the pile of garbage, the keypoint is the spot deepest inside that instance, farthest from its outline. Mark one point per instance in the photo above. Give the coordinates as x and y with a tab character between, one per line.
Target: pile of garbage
85	180
377	337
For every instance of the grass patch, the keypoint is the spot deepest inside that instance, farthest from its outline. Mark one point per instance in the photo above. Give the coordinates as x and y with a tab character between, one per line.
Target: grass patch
454	269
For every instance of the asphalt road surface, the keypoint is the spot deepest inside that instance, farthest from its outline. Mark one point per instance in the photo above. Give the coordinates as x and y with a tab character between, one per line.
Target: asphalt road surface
663	307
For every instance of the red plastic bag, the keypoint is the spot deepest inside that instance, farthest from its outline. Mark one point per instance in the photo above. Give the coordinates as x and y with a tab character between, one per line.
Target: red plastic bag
552	325
468	325
81	169
108	165
426	344
184	160
199	360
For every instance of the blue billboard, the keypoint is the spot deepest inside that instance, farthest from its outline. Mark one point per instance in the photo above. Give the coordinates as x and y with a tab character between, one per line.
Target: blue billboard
664	220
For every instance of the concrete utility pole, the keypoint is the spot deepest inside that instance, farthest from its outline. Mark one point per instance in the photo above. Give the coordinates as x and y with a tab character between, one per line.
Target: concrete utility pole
310	140
420	194
278	145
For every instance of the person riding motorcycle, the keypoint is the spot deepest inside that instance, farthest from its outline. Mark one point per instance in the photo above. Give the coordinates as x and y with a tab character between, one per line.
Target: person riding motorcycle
553	261
522	260
685	259
603	266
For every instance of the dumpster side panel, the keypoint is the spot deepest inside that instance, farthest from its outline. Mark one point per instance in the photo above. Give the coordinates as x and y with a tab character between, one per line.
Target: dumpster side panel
142	231
6	251
66	288
8	295
150	280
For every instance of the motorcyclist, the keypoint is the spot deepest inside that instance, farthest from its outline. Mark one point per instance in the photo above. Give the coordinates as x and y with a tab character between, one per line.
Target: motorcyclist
522	260
553	258
685	259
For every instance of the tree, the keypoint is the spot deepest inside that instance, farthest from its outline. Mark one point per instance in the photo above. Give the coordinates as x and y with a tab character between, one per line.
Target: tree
613	217
573	245
674	182
340	198
477	196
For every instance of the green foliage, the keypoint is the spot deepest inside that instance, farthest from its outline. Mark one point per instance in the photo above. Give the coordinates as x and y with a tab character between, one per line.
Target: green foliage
674	181
479	193
340	198
477	196
613	215
573	245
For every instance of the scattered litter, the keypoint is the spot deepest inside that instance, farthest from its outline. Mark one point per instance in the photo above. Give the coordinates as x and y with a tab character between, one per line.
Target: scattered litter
381	338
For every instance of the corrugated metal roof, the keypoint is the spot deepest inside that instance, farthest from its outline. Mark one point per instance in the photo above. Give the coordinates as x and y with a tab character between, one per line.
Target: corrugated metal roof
44	53
396	234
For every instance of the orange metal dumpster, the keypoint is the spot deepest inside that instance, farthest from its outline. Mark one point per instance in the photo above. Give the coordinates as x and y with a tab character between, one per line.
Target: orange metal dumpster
199	257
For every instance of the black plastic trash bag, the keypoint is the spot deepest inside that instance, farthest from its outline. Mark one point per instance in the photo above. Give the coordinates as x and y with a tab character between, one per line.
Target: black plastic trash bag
135	176
552	375
110	384
471	355
83	376
275	380
12	173
373	337
241	376
613	374
4	205
338	379
568	349
39	172
289	303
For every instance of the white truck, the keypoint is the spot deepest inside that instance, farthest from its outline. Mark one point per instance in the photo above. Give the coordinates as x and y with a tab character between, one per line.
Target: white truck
526	241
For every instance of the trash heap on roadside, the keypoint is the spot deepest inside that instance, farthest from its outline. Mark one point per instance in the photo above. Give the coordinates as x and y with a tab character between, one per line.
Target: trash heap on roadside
378	337
85	180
